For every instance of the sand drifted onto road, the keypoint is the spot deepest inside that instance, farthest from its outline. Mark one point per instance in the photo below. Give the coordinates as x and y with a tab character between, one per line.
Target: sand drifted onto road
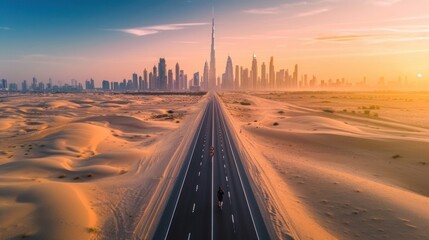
90	166
337	166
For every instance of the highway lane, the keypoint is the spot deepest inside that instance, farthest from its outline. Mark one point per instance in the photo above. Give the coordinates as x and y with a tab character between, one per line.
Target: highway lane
192	211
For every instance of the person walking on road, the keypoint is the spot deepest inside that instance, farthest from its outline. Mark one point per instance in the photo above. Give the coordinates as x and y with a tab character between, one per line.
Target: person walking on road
220	197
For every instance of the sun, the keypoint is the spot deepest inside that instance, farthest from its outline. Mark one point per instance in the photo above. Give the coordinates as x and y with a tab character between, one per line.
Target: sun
419	75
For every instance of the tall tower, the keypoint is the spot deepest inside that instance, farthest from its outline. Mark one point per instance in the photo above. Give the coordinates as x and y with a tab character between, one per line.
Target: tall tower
177	83
272	76
162	69
170	80
135	81
263	75
205	76
295	76
254	83
212	75
237	77
228	81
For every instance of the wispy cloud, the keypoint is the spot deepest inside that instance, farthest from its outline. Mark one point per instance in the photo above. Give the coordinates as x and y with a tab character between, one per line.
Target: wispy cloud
187	42
383	2
404	19
378	35
278	8
345	38
263	11
312	12
143	31
256	37
4	28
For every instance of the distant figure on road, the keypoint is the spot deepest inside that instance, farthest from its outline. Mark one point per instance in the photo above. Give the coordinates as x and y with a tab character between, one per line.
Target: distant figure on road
220	197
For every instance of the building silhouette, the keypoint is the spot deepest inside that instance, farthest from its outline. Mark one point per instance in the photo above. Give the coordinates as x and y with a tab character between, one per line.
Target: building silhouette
212	74
228	76
177	83
237	77
3	84
295	76
271	74
170	80
263	75
145	80
105	85
162	76
135	82
205	79
254	83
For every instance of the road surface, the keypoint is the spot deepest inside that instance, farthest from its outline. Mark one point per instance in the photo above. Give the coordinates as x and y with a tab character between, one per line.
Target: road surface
192	211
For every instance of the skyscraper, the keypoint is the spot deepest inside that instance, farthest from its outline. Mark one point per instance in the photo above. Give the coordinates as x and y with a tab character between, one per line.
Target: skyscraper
254	76
205	76
212	75
105	85
135	82
24	87
228	78
196	82
263	76
162	68
181	80
272	73
34	85
237	77
295	76
3	84
154	83
145	80
170	80
177	82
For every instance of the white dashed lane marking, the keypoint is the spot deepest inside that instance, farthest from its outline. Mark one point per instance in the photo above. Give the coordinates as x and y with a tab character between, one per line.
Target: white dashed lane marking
226	177
199	174
232	218
196	188
189	236
193	208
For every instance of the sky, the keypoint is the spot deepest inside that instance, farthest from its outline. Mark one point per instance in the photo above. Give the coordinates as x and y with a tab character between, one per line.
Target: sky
112	39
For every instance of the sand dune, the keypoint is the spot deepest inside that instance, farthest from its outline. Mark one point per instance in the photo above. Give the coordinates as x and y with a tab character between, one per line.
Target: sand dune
124	123
5	124
336	175
66	166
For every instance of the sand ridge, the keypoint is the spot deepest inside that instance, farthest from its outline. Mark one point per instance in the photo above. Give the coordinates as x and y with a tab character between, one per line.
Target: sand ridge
354	176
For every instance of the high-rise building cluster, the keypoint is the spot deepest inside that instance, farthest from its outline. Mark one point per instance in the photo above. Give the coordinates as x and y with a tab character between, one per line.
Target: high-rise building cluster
160	78
260	78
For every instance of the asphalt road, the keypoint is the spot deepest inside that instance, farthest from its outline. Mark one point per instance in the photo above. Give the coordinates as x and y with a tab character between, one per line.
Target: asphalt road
192	211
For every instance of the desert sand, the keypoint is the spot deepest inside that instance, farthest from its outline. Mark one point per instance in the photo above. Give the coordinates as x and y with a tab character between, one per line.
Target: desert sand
337	165
90	166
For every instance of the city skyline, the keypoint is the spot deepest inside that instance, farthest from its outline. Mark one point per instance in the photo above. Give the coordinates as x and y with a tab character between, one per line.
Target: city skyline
326	38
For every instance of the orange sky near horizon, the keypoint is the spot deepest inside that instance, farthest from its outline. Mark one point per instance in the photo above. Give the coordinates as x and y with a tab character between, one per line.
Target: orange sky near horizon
328	38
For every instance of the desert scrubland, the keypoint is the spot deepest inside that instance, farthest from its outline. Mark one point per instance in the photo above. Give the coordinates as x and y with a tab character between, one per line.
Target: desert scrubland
90	166
332	165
